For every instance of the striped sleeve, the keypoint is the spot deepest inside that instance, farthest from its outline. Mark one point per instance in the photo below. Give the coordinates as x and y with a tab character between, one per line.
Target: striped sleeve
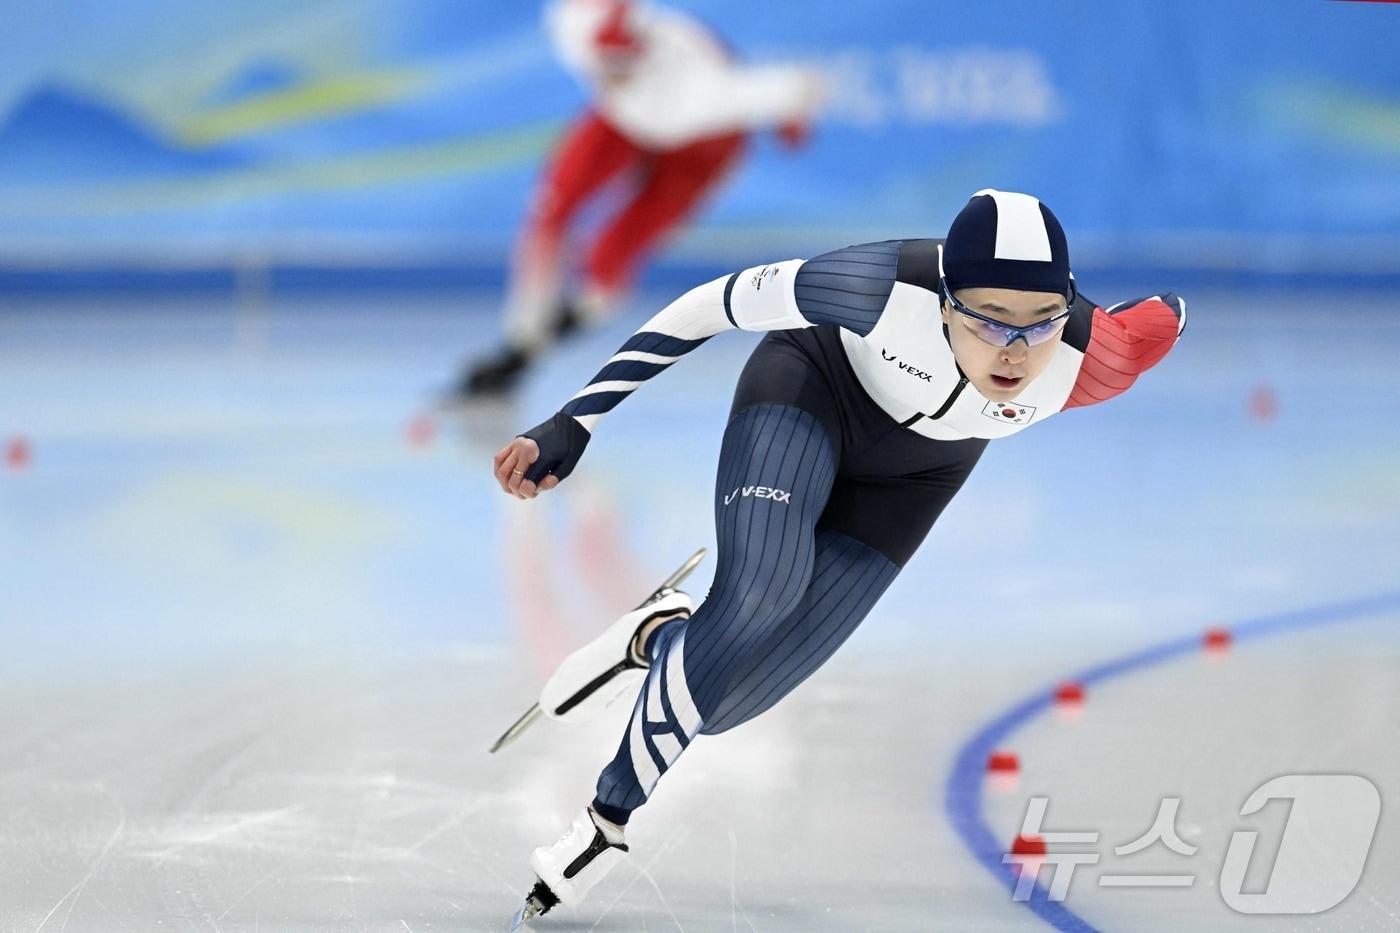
677	329
1125	341
848	287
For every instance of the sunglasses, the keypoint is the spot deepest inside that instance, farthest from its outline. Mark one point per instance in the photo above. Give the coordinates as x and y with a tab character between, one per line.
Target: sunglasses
1001	334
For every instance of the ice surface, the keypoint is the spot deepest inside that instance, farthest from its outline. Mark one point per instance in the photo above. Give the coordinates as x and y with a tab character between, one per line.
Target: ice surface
258	634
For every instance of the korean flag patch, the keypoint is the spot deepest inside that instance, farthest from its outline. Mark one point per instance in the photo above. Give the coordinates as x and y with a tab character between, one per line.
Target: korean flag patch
1009	412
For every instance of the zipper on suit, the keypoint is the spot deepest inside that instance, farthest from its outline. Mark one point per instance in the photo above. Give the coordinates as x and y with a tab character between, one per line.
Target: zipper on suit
957	390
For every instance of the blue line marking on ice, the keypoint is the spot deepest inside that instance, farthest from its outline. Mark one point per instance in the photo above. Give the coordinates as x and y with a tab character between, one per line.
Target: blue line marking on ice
963	790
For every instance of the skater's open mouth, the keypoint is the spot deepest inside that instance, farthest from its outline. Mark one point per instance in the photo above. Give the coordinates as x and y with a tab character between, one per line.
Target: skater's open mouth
1005	382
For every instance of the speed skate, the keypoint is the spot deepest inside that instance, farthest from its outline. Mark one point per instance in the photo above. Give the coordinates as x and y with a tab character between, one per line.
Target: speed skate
585	684
590	679
566	870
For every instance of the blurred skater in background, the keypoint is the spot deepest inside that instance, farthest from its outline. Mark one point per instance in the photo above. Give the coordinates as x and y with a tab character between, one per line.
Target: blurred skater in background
672	108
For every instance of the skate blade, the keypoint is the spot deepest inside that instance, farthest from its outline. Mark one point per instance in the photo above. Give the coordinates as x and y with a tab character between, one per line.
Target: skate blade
517	729
674	580
534	713
527	912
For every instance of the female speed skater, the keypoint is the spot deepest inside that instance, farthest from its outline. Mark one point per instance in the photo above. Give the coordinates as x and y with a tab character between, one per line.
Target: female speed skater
886	369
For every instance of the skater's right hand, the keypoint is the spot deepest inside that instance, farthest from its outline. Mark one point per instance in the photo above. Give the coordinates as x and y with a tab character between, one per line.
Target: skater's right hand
511	464
539	459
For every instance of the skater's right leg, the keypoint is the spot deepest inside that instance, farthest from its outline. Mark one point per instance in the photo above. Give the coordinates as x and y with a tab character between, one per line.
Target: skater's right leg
777	466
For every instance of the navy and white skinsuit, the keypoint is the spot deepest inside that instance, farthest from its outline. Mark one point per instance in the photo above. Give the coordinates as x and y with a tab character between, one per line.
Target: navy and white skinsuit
852	428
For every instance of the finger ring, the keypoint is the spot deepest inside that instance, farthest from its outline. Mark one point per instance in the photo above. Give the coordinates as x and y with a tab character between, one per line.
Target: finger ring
518	472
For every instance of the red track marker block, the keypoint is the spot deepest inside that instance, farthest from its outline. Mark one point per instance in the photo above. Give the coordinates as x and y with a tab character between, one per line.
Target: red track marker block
1003	763
1069	692
17	453
420	431
1217	639
1028	845
1263	404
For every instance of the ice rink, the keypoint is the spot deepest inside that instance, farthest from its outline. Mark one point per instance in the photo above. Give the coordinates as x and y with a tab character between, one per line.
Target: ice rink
264	611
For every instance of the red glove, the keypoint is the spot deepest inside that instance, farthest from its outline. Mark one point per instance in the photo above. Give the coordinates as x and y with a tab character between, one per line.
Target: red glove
794	133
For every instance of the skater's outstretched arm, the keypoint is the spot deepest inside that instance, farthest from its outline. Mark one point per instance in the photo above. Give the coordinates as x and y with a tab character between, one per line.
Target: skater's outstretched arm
1126	340
665	80
847	288
539	458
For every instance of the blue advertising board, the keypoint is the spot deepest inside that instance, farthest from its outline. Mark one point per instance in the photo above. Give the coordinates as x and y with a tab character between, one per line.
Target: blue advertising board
1251	135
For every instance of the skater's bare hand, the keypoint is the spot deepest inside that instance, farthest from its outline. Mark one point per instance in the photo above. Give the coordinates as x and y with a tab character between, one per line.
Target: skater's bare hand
510	466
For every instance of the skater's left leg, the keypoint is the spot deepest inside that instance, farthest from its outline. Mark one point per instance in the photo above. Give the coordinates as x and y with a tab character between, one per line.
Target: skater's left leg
675	184
848	579
711	673
867	533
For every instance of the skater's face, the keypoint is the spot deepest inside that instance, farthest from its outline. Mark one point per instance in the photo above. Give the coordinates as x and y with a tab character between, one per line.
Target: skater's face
1001	373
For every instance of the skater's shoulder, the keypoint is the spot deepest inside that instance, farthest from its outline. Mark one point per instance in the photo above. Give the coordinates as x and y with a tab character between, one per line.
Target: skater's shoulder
874	248
868	261
913	260
918	262
870	270
851	286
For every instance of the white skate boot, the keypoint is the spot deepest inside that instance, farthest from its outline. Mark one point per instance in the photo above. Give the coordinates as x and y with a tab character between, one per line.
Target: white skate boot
568	869
590	679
